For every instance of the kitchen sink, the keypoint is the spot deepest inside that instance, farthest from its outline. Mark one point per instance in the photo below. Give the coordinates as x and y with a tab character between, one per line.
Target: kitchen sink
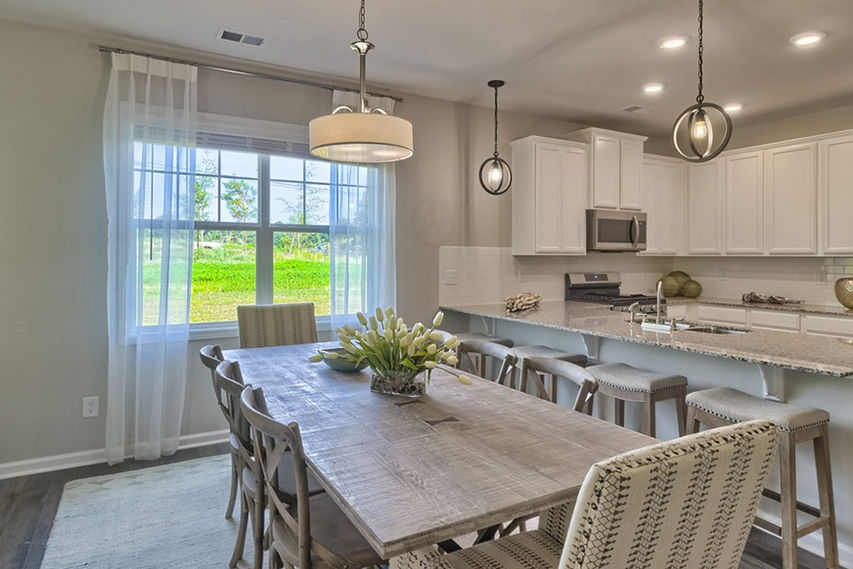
715	330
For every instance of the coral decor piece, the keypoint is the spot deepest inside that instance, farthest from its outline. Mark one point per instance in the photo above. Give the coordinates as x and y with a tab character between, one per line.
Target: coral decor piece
523	301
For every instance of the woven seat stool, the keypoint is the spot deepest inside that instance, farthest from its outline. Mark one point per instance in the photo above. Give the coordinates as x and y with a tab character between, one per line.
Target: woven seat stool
626	383
725	406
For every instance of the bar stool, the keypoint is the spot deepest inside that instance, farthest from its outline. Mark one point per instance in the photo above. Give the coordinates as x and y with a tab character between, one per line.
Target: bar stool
725	406
626	383
479	367
483	349
533	367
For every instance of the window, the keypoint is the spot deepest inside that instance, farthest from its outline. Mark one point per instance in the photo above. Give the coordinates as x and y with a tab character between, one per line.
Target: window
261	229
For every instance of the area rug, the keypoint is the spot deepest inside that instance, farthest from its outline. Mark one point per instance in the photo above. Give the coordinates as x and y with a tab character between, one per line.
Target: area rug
165	516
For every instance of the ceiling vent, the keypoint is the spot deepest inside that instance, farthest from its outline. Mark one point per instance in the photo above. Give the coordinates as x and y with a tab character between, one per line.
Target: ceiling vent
239	37
635	109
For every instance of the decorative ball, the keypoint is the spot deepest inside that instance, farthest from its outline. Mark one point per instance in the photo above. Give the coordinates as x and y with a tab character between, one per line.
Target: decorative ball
844	291
671	286
691	289
681	276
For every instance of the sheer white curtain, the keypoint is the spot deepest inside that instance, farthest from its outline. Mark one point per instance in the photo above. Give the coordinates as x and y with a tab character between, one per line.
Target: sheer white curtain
149	134
362	230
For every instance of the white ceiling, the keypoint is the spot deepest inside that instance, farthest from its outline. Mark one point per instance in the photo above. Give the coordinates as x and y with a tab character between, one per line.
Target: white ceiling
577	59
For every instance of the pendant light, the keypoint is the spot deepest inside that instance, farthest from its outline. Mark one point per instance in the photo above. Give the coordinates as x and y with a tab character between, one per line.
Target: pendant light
495	173
363	135
702	131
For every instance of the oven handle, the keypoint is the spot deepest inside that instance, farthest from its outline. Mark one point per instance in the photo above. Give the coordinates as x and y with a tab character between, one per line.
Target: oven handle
635	231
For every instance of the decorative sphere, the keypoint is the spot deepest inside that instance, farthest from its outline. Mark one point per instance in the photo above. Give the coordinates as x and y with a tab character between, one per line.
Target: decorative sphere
671	286
680	276
844	291
691	289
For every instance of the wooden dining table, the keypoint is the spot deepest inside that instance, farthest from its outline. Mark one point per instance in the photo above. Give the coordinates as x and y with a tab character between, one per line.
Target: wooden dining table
414	472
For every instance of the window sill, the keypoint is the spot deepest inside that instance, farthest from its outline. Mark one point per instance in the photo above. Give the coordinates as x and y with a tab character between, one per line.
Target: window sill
229	330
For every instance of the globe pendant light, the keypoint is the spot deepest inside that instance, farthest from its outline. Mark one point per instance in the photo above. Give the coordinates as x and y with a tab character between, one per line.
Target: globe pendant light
363	135
702	131
495	173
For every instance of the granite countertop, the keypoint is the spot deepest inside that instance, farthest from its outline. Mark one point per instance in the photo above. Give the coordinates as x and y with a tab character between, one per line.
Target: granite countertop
829	309
802	352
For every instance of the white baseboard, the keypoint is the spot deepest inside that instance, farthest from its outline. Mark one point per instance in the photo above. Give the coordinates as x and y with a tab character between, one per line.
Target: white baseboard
95	456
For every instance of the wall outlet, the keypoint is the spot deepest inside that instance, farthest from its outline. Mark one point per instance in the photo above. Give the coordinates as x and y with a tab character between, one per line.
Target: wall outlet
90	407
450	277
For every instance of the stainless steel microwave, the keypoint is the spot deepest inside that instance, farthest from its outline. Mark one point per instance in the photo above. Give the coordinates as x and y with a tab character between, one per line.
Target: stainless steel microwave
609	230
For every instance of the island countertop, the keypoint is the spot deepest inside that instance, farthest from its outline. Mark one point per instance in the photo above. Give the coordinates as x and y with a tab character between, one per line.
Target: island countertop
801	352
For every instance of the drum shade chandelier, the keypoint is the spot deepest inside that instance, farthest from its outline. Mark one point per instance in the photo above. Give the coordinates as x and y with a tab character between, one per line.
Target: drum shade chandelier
495	174
703	130
363	135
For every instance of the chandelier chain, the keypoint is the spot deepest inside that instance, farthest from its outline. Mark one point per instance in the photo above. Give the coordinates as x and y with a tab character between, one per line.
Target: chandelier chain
700	97
496	122
361	34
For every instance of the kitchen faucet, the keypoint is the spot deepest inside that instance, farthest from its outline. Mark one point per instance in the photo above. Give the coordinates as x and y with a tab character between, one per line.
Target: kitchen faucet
657	304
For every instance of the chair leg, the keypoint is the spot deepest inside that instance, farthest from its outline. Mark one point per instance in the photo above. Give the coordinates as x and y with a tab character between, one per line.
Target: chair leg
258	531
788	472
649	415
681	412
241	532
692	422
619	412
232	499
827	506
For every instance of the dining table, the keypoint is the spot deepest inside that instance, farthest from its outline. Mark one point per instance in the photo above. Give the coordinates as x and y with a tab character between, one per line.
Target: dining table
410	473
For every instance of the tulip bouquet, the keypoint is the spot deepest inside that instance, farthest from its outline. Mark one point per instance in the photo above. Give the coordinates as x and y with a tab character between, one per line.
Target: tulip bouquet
397	355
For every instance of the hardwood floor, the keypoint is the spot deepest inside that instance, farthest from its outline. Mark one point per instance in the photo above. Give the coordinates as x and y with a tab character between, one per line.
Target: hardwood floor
28	505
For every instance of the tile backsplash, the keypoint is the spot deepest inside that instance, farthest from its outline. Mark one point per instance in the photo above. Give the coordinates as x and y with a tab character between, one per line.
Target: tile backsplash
490	274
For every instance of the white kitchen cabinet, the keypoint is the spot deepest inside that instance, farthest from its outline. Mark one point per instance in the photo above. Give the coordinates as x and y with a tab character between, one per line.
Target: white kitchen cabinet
744	203
836	195
662	201
840	326
615	166
721	314
790	204
549	197
774	320
705	208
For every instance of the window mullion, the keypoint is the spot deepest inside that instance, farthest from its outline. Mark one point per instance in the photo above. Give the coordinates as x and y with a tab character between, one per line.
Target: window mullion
264	251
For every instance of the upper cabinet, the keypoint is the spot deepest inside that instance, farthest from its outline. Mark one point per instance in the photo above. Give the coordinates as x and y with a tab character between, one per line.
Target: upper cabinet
744	203
615	166
664	205
549	196
790	203
705	208
836	195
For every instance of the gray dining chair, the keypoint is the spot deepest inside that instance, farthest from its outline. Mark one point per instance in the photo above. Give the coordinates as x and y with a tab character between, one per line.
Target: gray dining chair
211	356
687	503
312	532
263	325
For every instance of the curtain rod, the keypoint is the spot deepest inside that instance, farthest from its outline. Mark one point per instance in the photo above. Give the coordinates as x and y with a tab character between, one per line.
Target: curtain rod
241	72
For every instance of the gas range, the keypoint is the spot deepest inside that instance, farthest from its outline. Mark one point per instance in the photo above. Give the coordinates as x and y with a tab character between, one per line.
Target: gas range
603	288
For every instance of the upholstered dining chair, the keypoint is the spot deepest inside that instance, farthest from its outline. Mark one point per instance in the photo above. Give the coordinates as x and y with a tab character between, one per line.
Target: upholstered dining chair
533	368
264	325
211	356
687	503
312	533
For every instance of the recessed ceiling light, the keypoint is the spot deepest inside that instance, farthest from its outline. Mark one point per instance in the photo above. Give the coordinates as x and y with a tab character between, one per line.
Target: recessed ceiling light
652	88
807	39
673	42
732	107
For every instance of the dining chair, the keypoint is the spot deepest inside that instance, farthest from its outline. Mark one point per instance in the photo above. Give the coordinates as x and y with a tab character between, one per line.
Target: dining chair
485	348
263	325
687	503
312	532
211	356
533	368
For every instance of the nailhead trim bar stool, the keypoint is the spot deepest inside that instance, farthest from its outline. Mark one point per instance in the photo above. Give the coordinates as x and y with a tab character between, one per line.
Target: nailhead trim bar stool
479	365
626	383
525	352
725	406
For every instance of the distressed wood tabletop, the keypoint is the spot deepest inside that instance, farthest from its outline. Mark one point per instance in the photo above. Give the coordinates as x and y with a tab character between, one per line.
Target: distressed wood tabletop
410	473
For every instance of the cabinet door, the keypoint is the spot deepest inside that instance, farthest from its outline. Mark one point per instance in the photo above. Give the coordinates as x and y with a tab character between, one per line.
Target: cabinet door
651	189
605	171
745	203
573	195
549	189
704	208
837	194
790	204
669	209
631	174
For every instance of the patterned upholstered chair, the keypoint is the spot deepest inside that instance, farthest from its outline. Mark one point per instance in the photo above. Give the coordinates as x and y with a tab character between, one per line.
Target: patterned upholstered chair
310	532
264	325
687	503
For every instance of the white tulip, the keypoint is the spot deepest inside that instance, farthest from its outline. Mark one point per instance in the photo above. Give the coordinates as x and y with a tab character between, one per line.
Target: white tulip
411	350
389	312
436	335
451	342
350	348
452	360
361	318
439	316
464	379
379	314
389	334
331	355
431	349
374	325
430	365
349	330
316	358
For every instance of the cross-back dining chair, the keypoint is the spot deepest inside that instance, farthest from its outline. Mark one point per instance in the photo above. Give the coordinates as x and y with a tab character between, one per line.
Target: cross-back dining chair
533	368
263	325
211	356
687	503
503	354
312	532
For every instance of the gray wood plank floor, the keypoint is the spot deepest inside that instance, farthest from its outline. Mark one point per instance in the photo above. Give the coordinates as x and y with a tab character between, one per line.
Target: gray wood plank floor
28	505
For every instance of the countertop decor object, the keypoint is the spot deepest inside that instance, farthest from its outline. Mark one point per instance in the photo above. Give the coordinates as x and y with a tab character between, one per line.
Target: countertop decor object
671	286
680	276
703	130
363	135
757	297
400	358
691	289
495	174
523	301
844	291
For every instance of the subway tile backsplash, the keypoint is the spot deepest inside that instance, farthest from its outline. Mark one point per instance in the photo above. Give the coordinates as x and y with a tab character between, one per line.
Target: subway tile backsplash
490	274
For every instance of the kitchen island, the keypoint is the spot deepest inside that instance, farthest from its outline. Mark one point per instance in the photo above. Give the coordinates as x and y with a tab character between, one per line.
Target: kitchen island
802	369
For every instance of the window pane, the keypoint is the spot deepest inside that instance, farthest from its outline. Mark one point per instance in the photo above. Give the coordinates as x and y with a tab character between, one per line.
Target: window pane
316	171
239	200
206	161
317	204
223	274
301	269
286	202
205	198
239	164
155	309
286	168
